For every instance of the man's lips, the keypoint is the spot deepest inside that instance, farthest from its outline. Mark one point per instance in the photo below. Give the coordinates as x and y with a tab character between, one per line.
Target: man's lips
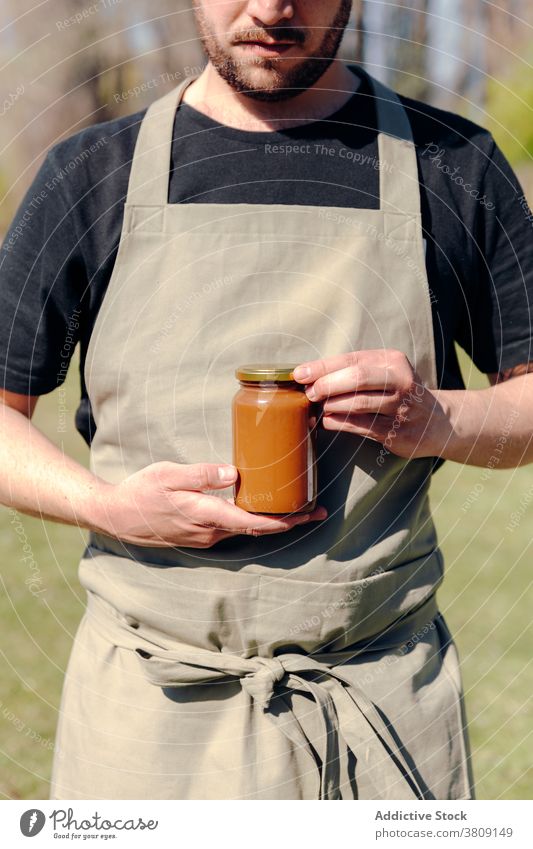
267	47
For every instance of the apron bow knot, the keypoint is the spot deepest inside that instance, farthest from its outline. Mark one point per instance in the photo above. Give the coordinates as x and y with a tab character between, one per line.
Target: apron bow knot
260	683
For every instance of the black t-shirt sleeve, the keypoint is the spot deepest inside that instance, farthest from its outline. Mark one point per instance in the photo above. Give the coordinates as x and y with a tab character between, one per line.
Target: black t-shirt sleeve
42	280
496	331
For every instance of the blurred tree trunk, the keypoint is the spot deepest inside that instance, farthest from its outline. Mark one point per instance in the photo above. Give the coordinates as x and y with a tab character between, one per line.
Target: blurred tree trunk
506	32
411	72
359	23
354	42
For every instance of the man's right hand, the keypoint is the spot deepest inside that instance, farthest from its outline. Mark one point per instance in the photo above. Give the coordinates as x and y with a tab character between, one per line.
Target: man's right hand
164	505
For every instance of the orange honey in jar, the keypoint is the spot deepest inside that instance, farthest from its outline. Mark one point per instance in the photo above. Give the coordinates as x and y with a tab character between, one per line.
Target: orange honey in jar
274	441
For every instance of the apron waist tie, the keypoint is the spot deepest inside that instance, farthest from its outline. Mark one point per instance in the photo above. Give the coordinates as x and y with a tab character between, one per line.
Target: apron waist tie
344	709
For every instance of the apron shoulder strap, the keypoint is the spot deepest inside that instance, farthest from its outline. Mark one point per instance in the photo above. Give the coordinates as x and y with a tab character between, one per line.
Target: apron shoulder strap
149	176
399	182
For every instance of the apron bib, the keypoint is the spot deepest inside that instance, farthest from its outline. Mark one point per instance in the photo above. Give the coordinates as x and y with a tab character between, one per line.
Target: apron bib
310	664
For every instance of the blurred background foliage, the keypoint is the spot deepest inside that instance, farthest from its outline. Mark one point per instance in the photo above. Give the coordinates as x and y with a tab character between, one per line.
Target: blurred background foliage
469	56
510	110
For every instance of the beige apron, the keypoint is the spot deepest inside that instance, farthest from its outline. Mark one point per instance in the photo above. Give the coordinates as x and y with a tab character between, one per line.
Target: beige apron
311	664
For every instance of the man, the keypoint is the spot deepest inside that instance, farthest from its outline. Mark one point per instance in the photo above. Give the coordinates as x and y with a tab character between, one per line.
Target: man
284	206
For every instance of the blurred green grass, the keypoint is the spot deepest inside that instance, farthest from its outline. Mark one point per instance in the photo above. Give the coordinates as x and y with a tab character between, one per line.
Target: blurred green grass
486	599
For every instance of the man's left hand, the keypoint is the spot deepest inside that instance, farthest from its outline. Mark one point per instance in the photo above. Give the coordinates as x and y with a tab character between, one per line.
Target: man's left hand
378	395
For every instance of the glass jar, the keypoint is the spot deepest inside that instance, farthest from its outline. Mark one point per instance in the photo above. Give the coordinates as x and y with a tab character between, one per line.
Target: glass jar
274	441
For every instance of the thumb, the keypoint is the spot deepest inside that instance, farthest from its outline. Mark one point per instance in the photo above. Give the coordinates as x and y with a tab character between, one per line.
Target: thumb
200	476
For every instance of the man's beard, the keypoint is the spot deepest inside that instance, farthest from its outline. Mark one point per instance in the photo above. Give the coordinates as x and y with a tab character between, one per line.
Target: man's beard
283	86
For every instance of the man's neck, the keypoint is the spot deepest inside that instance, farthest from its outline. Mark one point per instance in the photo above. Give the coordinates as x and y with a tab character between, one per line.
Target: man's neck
213	96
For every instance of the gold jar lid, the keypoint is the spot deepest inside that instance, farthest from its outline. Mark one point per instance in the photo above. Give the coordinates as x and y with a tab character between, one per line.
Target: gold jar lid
258	372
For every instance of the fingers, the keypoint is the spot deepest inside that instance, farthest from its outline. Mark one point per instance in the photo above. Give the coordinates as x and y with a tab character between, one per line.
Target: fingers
314	369
374	427
382	357
385	403
194	476
382	369
260	524
352	379
212	512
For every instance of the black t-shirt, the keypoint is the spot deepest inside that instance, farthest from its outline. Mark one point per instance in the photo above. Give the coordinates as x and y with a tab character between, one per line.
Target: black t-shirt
57	259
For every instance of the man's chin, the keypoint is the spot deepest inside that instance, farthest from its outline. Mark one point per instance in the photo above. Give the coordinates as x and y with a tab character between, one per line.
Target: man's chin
269	84
271	95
